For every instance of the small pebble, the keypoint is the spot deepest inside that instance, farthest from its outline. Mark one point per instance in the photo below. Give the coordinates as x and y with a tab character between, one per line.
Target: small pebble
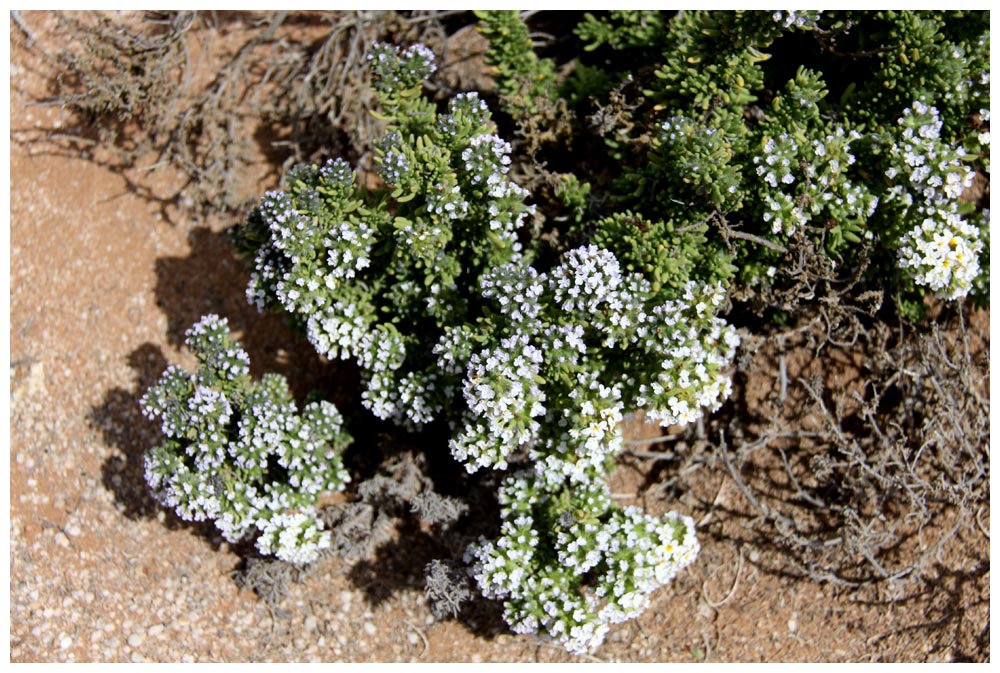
369	628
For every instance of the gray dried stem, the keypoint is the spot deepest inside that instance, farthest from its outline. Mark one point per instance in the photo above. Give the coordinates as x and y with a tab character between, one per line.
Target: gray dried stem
207	93
868	482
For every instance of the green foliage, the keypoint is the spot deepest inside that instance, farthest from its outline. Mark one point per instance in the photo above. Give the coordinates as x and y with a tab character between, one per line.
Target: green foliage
521	77
574	194
704	158
585	84
669	257
916	56
398	77
729	139
622	29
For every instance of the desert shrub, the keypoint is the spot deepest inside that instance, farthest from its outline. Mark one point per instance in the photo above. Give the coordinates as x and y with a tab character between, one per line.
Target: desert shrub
426	285
677	175
400	490
138	85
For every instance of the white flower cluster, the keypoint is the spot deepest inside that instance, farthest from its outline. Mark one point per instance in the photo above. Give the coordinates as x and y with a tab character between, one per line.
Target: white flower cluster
692	359
454	348
800	19
581	437
516	289
539	571
295	537
227	361
467	117
409	399
487	159
394	166
942	253
288	269
238	453
395	69
504	398
808	180
587	281
446	201
941	249
348	246
337	331
670	358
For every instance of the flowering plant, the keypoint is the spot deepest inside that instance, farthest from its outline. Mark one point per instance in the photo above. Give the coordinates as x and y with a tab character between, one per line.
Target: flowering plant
721	134
531	349
379	276
427	286
237	452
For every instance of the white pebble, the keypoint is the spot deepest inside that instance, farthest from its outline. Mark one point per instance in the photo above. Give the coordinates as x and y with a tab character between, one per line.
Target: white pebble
369	628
